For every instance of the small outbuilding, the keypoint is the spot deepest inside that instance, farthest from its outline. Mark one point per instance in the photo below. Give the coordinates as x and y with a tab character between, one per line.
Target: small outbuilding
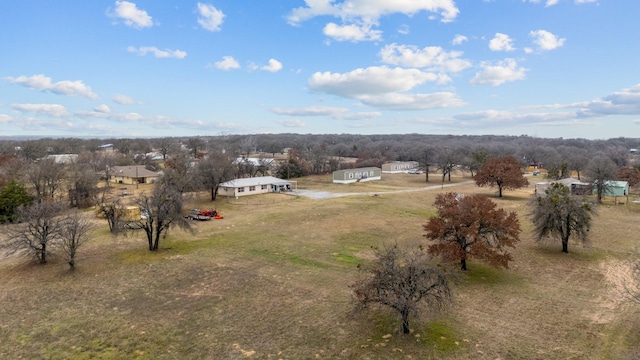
347	176
395	167
254	186
576	186
615	188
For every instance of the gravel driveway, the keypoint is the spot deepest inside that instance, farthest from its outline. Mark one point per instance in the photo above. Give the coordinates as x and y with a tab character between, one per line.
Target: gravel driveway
312	194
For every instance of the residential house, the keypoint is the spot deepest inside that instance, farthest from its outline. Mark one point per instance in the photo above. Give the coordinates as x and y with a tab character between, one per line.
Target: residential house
132	175
399	167
357	175
253	186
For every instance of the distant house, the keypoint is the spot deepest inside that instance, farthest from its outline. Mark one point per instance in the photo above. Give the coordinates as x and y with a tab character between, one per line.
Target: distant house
253	186
398	167
357	175
134	174
63	158
576	186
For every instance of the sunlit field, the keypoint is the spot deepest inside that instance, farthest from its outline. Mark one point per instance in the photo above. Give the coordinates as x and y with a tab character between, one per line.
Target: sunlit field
271	281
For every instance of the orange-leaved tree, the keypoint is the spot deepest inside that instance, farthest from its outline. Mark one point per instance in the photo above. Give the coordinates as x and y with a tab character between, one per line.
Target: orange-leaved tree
503	172
472	226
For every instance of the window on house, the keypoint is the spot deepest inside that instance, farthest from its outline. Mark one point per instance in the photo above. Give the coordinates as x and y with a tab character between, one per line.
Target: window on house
252	188
263	187
350	175
240	189
371	173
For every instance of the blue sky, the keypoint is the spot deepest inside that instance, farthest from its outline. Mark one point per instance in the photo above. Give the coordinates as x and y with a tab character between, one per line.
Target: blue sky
544	68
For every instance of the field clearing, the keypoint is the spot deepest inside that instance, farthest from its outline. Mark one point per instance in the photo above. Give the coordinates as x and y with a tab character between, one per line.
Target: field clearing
271	282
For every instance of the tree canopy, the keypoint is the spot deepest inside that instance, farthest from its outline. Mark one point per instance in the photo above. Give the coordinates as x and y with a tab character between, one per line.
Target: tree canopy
503	172
404	281
472	226
558	214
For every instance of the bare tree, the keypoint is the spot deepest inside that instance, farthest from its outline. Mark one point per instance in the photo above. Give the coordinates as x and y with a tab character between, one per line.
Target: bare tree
195	144
405	281
214	170
557	214
74	232
45	177
114	212
39	231
601	171
160	211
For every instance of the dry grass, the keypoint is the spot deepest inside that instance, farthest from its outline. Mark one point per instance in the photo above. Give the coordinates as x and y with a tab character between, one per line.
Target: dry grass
270	281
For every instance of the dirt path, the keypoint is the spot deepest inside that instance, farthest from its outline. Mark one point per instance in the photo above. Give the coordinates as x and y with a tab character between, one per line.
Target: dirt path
312	194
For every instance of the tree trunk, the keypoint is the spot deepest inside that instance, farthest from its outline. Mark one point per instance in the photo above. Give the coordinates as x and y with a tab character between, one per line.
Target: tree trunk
565	245
43	254
405	321
463	264
499	191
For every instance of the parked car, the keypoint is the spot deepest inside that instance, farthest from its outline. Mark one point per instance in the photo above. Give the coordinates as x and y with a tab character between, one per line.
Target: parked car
415	171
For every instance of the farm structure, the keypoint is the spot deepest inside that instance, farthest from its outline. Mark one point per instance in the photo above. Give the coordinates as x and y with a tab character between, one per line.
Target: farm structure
135	174
347	176
576	186
398	167
615	188
253	186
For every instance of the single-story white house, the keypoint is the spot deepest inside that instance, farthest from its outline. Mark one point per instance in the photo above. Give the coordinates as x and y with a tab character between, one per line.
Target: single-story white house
134	174
357	175
253	186
63	158
399	166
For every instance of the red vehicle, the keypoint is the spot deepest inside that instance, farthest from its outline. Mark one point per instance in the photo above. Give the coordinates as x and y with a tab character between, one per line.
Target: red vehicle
211	213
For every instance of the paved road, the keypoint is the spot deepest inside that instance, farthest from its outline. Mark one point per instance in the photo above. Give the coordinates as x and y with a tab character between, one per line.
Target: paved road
330	195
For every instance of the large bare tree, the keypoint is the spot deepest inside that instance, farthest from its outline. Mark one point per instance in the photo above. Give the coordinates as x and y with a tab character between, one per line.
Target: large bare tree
38	232
405	281
160	210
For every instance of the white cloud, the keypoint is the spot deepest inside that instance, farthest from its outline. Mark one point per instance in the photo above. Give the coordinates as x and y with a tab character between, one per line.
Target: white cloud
124	100
586	1
501	42
546	40
274	66
340	113
367	10
65	87
352	32
53	110
167	53
102	109
131	15
291	123
625	102
403	29
373	80
430	57
504	71
459	39
227	63
5	119
399	101
548	2
210	18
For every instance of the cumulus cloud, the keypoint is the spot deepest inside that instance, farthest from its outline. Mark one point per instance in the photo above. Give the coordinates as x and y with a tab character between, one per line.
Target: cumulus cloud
504	71
53	110
431	57
167	53
65	87
133	17
625	102
371	11
273	66
209	17
5	119
124	100
401	101
546	40
352	32
459	39
291	123
370	81
227	63
102	109
548	2
501	42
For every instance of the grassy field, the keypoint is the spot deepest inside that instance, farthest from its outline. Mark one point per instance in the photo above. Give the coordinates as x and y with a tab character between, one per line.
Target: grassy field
270	281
